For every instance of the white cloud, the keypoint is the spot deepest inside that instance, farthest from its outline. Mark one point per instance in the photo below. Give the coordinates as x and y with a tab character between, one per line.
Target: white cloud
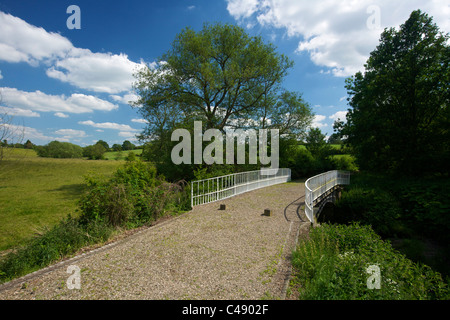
1	77
109	125
98	72
61	115
71	133
19	112
340	115
125	99
139	121
22	42
318	122
336	33
39	101
32	134
242	9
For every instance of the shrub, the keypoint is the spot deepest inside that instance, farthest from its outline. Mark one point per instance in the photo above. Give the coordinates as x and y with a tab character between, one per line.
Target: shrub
135	195
344	162
333	262
56	149
95	152
51	245
374	207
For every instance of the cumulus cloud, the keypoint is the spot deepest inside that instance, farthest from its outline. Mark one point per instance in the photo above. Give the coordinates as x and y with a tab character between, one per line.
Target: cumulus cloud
139	121
71	133
22	42
337	34
39	101
32	134
61	115
340	115
318	122
125	99
98	72
19	112
109	125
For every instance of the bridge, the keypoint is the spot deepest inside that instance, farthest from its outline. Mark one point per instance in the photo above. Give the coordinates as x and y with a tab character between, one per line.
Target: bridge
319	190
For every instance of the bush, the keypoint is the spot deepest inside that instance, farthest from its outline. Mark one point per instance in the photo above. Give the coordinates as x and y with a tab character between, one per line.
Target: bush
374	207
333	262
134	196
344	162
95	152
56	149
51	245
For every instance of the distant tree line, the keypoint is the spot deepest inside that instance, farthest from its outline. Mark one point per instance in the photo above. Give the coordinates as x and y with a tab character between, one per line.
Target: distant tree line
57	149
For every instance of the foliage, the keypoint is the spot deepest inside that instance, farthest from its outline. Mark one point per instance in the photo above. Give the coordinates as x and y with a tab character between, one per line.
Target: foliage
127	145
223	77
51	245
375	207
95	152
132	197
56	149
332	265
135	195
400	120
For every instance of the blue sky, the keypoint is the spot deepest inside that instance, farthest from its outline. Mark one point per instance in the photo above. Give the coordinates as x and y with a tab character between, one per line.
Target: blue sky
73	85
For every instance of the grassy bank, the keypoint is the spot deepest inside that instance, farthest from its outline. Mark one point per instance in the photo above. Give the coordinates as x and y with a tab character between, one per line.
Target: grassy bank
38	192
126	197
336	263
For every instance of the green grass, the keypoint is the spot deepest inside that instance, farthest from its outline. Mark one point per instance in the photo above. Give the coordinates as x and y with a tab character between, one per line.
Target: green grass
120	155
38	192
332	264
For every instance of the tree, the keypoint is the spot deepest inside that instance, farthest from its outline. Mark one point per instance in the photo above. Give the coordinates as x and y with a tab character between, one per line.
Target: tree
28	145
316	143
104	144
217	75
116	147
399	119
222	77
57	149
127	145
94	152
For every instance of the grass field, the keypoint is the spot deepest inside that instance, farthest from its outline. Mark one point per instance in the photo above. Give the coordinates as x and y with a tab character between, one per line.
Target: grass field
120	155
38	192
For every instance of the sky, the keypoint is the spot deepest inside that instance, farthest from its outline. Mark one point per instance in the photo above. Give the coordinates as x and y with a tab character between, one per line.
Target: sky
74	84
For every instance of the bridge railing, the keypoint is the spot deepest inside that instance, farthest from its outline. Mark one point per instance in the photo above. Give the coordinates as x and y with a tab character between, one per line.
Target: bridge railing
318	186
219	188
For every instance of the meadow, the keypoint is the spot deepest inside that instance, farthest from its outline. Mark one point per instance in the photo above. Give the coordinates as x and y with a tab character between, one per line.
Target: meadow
36	193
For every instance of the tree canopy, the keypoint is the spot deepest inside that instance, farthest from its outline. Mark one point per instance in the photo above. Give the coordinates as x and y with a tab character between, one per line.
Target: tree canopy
399	118
219	75
223	77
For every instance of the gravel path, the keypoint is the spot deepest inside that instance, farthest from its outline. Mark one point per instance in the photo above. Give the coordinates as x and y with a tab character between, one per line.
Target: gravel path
204	254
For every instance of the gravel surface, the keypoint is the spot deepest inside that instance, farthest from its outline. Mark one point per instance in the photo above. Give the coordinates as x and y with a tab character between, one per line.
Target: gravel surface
206	254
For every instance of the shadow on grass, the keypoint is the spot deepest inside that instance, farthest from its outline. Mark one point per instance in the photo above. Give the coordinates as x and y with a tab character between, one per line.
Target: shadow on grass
71	191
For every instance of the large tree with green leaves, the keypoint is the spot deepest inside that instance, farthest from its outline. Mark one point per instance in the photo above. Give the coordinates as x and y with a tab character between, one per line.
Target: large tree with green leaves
399	119
218	75
223	77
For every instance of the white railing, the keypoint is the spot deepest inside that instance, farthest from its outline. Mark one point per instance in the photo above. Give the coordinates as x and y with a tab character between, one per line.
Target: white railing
320	185
219	188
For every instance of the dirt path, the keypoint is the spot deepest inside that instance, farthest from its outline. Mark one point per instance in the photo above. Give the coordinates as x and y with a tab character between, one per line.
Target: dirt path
204	254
